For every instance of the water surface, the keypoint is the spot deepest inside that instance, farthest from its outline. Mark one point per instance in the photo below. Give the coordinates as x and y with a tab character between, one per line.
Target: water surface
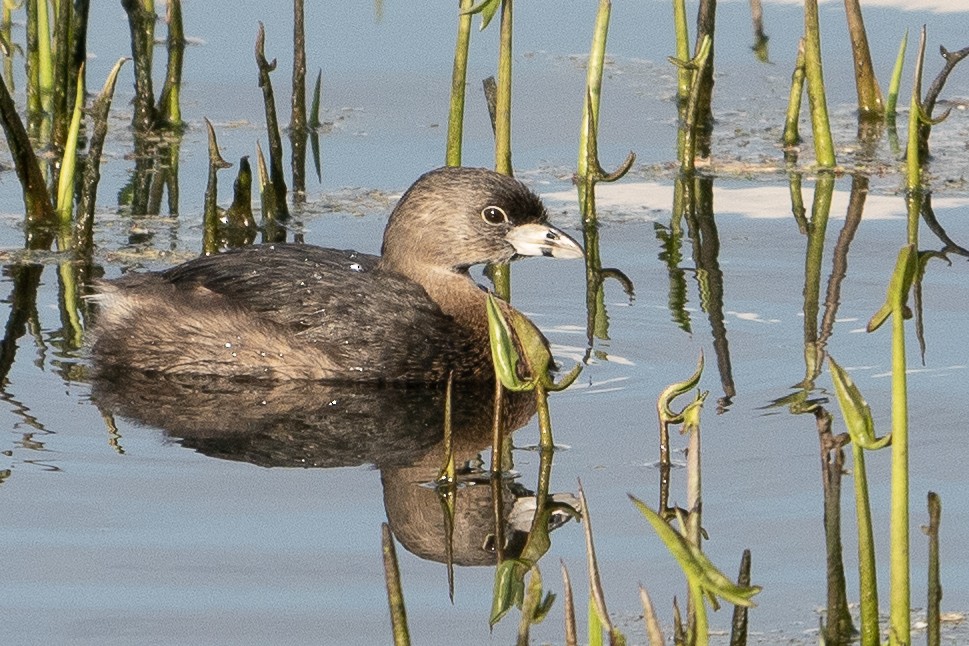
134	535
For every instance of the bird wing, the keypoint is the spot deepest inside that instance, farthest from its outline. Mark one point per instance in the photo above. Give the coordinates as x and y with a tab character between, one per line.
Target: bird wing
364	318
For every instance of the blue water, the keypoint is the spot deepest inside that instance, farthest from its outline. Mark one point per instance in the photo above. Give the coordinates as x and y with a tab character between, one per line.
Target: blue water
128	537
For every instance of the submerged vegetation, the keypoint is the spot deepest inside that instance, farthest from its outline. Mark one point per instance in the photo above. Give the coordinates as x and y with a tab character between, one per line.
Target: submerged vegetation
56	139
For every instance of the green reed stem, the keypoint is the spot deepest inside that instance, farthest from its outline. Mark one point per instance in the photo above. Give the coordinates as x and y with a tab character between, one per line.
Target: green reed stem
903	277
870	104
297	120
84	225
896	80
817	226
34	108
459	75
861	429
701	623
141	24
498	452
587	163
792	136
281	209
45	61
932	611
37	204
64	79
6	39
703	112
447	486
78	30
544	418
589	172
690	124
867	572
210	217
169	104
503	100
913	176
900	633
684	76
501	273
823	144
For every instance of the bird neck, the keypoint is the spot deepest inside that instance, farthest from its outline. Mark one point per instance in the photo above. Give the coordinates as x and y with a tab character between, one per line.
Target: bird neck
455	292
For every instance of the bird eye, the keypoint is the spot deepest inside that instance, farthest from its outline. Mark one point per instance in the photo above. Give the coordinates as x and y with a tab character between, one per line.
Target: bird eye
494	215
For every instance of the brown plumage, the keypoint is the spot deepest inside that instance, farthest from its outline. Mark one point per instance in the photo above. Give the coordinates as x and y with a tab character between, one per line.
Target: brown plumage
287	311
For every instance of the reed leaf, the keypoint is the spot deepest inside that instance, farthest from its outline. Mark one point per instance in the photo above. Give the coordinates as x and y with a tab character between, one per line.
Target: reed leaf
671	392
695	564
65	185
653	629
503	353
519	353
37	203
395	593
487	9
509	590
906	267
83	232
281	209
913	162
598	614
896	79
855	410
535	607
314	118
571	634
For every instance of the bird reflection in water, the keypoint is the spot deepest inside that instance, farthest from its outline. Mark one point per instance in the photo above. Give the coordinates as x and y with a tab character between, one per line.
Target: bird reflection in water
308	424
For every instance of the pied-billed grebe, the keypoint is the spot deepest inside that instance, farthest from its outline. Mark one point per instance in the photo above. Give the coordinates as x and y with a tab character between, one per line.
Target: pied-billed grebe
283	311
